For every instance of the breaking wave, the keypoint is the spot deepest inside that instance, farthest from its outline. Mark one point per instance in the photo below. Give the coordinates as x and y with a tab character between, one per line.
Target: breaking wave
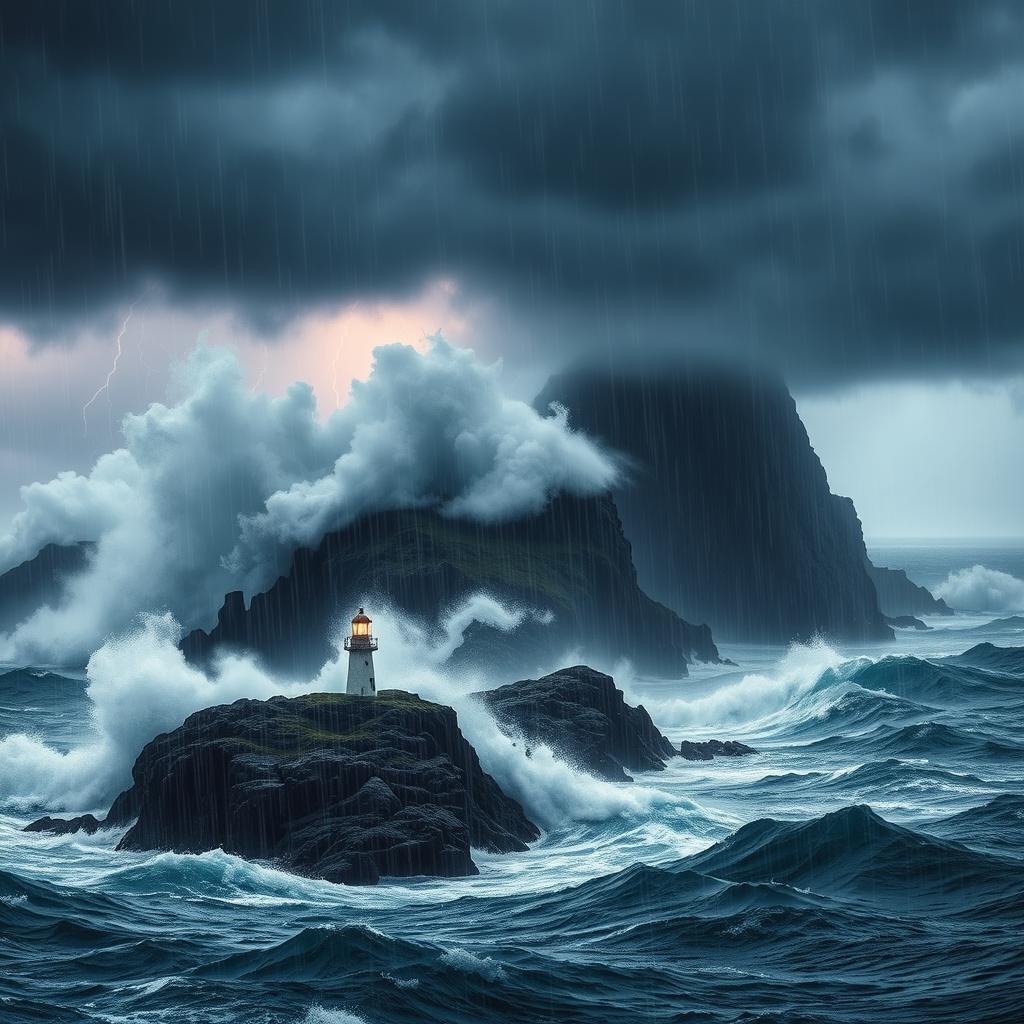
980	589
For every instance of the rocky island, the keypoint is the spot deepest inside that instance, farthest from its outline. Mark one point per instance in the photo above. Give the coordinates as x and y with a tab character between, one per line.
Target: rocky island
581	715
351	788
341	788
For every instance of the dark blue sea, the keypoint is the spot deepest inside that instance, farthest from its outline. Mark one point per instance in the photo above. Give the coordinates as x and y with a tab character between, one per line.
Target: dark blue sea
866	865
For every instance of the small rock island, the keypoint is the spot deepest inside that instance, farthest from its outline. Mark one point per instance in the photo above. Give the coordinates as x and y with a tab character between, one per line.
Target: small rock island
332	786
370	783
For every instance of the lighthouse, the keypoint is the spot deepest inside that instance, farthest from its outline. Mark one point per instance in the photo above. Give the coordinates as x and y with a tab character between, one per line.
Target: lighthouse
360	646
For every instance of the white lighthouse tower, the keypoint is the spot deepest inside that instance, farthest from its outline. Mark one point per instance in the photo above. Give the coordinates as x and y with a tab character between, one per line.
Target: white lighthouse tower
360	646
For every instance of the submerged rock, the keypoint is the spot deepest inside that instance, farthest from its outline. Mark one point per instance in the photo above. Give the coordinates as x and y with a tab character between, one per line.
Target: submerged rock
342	788
584	718
710	749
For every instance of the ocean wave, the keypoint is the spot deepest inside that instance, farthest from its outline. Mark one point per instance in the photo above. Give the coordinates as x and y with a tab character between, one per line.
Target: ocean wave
951	682
980	589
855	852
926	740
996	827
1004	661
318	953
888	783
756	698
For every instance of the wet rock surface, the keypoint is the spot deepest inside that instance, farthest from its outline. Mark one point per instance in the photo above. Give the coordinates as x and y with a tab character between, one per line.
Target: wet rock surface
348	789
581	715
708	750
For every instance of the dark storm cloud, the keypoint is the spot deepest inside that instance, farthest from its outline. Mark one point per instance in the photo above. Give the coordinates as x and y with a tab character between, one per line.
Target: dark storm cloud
837	186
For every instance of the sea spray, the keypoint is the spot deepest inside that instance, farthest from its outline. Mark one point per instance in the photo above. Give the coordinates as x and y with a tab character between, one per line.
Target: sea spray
753	697
141	685
980	589
552	791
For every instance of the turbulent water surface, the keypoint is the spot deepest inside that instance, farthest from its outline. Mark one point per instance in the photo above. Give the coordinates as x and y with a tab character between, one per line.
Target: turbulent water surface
866	865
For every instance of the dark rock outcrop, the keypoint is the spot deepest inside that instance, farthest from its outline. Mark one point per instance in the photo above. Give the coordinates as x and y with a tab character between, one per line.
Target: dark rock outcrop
708	750
906	622
899	596
39	581
86	823
580	714
727	506
335	787
572	560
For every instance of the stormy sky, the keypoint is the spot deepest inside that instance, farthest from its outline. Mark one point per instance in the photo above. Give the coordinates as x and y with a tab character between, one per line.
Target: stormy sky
831	189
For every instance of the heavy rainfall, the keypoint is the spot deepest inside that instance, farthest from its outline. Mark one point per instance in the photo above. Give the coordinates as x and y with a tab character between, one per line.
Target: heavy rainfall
511	512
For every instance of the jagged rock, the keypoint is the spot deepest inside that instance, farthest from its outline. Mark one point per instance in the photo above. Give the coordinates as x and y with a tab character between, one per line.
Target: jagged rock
331	786
580	714
725	502
899	596
86	823
708	750
572	559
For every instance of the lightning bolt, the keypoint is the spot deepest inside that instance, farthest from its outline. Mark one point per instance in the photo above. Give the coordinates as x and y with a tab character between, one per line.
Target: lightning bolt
117	357
263	371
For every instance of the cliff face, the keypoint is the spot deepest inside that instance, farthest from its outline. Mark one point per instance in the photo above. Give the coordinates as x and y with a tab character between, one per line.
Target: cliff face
572	560
726	504
899	596
38	581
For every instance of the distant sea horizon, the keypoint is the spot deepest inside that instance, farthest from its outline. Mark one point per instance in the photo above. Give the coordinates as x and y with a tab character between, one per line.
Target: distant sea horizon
929	561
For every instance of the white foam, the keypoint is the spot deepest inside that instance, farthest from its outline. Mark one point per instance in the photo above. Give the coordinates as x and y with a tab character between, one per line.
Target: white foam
317	1014
980	589
752	698
141	685
470	963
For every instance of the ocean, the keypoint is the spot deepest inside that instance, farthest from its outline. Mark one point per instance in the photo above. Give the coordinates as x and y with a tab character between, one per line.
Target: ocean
867	864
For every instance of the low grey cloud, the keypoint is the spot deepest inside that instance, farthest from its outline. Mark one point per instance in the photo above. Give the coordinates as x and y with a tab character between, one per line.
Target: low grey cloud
831	187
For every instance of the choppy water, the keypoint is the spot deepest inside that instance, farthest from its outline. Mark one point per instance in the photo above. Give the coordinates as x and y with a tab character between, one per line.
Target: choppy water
679	902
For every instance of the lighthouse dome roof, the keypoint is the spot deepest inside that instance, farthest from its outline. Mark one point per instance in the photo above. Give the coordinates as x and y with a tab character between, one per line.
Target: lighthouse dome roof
361	616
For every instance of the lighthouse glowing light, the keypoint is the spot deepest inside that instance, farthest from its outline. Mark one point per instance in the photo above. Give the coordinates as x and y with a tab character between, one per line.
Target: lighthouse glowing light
360	646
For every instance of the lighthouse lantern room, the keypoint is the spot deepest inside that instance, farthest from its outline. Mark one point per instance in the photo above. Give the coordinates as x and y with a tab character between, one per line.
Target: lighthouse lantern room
360	646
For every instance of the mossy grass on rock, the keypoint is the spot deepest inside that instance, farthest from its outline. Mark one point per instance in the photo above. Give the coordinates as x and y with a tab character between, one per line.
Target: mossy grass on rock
342	788
583	717
570	559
